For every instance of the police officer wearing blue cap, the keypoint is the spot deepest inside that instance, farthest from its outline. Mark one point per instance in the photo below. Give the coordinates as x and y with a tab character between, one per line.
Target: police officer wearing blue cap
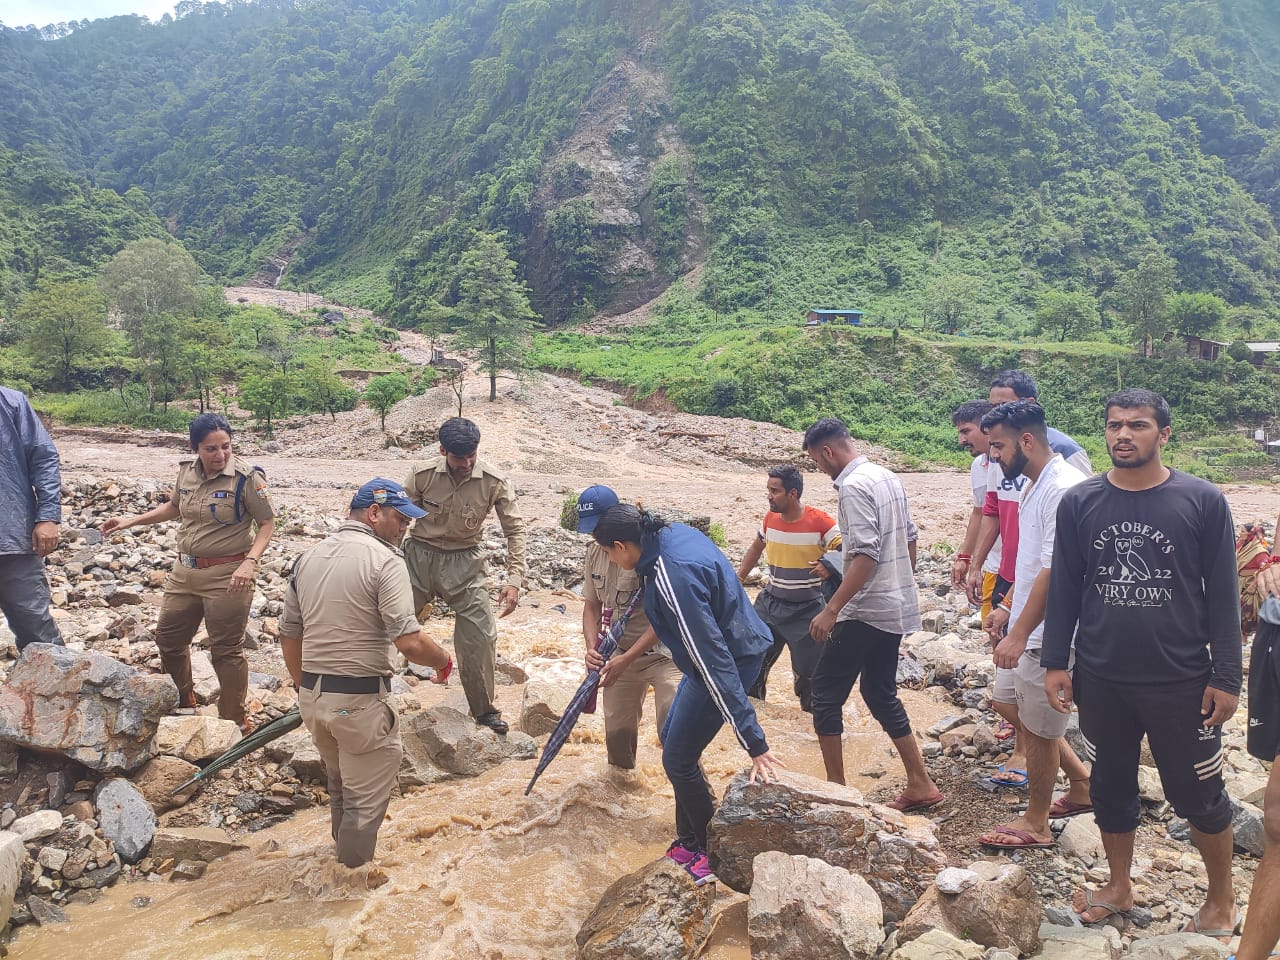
348	605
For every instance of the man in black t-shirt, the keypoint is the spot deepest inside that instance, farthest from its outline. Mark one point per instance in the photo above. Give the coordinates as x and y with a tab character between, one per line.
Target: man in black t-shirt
1144	567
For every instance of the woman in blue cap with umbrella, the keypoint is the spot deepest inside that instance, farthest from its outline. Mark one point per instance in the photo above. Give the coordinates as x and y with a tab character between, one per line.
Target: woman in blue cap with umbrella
700	612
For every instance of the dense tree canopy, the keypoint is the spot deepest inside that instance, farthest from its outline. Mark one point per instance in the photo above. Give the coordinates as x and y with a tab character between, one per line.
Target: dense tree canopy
846	151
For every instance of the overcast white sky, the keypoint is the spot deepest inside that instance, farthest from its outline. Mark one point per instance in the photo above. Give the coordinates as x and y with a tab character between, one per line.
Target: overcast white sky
20	13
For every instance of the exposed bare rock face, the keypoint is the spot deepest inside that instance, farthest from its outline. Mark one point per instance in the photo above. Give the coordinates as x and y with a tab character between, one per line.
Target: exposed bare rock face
618	191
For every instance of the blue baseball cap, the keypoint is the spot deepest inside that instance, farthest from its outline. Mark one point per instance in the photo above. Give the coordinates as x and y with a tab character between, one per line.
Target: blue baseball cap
386	493
592	503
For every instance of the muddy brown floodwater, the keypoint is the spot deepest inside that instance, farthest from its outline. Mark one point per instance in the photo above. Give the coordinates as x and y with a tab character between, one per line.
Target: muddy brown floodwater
464	868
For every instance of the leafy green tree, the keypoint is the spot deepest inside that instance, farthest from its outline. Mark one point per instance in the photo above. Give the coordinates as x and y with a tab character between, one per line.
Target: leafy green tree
1239	351
1143	294
384	392
1197	314
493	305
268	396
151	277
323	389
65	323
256	327
949	302
161	339
1067	316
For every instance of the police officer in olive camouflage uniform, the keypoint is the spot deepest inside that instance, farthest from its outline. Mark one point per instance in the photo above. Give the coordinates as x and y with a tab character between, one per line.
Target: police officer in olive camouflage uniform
445	559
219	498
348	608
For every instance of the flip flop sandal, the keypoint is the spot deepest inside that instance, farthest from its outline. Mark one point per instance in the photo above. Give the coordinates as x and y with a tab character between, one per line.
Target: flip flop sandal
1004	730
904	804
1063	808
1091	903
1011	784
1025	841
1193	926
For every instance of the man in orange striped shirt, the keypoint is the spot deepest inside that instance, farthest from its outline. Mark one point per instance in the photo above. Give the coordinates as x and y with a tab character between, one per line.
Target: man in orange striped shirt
793	538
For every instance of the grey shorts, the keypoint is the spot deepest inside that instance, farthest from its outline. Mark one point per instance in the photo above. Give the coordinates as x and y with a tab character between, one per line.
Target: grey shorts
1004	690
1034	712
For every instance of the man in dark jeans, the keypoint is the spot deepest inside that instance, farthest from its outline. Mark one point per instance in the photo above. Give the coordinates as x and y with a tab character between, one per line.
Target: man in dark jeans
862	625
31	488
1143	582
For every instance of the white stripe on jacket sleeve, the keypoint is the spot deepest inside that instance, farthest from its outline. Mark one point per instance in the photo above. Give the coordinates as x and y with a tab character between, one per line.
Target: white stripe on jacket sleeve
667	590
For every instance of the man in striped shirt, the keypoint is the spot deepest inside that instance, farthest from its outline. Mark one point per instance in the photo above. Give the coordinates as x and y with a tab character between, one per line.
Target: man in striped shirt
793	537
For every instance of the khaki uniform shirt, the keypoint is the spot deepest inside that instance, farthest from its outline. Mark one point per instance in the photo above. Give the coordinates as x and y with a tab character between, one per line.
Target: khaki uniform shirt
207	510
456	512
349	601
609	585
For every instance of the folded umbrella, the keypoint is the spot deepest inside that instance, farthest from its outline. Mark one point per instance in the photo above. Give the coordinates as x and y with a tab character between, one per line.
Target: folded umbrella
606	647
258	738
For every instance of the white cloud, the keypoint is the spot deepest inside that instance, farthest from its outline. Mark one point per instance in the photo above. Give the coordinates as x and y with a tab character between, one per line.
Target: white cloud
20	13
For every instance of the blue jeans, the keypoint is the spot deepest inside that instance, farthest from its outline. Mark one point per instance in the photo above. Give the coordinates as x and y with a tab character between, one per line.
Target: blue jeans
692	723
24	598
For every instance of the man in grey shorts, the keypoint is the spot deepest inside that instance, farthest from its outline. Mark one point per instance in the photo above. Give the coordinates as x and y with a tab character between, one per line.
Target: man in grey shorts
1019	443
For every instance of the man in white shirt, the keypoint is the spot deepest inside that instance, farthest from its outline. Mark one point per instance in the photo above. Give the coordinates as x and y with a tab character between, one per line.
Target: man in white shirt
1019	443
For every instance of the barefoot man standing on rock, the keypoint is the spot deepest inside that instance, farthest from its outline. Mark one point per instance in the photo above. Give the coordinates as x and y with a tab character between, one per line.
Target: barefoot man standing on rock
1144	581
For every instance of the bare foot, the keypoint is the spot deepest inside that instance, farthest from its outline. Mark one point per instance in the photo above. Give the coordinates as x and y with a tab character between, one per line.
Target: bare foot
1094	906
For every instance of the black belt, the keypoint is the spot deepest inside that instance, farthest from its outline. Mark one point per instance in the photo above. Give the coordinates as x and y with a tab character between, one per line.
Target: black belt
328	683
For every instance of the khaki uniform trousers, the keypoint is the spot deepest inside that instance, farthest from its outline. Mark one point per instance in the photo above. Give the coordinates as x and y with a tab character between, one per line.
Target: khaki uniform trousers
224	618
624	704
358	737
458	578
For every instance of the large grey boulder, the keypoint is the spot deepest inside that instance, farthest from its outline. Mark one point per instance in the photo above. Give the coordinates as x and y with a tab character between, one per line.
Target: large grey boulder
456	744
998	908
126	818
12	855
803	907
799	814
89	707
656	913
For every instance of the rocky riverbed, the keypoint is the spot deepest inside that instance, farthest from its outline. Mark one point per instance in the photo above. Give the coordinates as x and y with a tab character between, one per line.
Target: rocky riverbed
92	807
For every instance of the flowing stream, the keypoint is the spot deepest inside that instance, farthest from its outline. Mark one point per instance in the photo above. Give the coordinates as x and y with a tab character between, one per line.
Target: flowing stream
466	868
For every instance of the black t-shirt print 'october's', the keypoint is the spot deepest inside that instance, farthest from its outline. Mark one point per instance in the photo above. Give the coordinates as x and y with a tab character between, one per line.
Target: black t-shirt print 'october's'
1149	578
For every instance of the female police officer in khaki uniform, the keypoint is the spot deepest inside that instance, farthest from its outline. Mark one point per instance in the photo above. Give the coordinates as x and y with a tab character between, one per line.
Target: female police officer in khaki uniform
218	498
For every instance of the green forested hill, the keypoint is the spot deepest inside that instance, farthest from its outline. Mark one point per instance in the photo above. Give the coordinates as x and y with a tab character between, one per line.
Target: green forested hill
900	155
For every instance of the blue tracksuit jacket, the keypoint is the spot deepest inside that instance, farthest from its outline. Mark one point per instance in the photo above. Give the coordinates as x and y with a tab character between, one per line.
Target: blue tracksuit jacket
699	610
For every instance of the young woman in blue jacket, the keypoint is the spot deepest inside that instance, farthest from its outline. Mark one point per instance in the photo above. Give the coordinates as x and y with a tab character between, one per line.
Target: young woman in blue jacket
699	610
